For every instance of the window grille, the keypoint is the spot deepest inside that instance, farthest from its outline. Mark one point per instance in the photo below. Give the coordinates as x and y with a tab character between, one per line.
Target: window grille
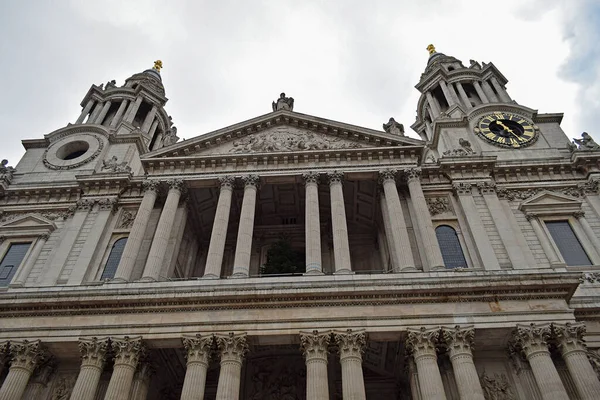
113	259
452	252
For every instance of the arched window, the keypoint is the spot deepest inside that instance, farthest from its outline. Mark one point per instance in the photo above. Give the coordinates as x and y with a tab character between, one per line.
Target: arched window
113	259
450	246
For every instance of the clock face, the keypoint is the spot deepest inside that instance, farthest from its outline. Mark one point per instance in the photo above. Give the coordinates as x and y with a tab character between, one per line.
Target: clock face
506	130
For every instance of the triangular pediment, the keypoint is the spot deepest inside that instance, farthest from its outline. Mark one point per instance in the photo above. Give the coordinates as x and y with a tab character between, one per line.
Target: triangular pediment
547	202
27	220
283	131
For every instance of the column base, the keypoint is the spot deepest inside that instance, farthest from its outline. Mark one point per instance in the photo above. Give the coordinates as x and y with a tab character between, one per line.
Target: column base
210	276
118	280
147	279
314	272
238	275
410	268
344	272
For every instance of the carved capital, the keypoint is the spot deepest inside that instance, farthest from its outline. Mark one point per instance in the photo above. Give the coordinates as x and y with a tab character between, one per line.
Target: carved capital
570	337
458	340
198	348
532	338
530	216
251	180
85	204
108	204
335	177
579	214
311	178
461	188
150	185
387	175
411	174
233	347
44	236
2	239
314	345
176	184
486	187
27	355
590	187
351	344
93	351
422	342
226	182
4	354
127	350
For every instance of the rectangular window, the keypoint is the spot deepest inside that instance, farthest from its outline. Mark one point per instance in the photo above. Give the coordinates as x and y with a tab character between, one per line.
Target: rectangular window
568	244
11	261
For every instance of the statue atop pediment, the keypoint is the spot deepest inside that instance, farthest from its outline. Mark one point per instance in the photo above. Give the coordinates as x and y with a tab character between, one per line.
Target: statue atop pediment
283	103
394	127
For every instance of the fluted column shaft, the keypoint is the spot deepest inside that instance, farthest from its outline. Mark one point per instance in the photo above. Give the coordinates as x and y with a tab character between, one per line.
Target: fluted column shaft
39	381
214	259
25	270
435	110
447	94
480	92
141	381
198	356
93	357
489	92
422	344
95	112
424	224
460	341
463	96
312	224
501	90
156	256
532	339
243	248
25	357
341	246
351	346
149	119
85	111
119	114
103	112
138	230
314	346
389	238
232	348
397	222
133	109
127	353
572	347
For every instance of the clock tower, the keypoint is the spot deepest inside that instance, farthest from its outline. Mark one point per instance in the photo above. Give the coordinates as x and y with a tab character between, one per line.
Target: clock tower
466	110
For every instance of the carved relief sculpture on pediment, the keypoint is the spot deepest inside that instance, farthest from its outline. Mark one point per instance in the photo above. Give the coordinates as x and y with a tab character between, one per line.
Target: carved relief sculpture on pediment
439	205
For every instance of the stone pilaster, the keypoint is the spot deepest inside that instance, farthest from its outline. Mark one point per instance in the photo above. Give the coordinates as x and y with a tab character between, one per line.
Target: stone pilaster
198	355
424	224
138	230
233	348
141	380
156	256
314	347
421	343
214	259
351	346
24	271
459	342
533	341
25	357
93	357
312	224
341	246
127	354
544	241
571	343
397	223
243	248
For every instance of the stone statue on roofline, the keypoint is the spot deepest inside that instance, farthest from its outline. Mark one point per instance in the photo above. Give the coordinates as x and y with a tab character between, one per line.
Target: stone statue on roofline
394	127
283	103
586	142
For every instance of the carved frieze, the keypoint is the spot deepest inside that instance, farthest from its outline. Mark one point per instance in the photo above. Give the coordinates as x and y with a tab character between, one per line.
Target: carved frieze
439	205
50	215
114	166
127	218
524	194
285	138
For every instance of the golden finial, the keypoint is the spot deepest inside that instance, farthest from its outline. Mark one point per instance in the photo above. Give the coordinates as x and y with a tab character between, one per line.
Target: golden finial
431	49
157	65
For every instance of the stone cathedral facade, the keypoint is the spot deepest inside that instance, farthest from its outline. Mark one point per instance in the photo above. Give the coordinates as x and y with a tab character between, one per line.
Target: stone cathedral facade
293	257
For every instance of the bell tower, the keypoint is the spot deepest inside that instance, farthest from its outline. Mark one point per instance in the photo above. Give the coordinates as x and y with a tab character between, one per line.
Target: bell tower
137	107
466	110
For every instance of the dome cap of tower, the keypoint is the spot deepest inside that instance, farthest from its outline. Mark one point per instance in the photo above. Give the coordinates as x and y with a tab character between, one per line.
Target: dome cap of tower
149	78
436	58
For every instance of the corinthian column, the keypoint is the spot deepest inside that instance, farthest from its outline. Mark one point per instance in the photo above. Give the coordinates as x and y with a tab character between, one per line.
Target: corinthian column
141	380
399	232
25	357
424	224
138	230
243	248
351	346
40	379
156	256
460	343
214	259
198	354
4	355
572	347
127	353
532	339
341	247
312	224
232	348
422	344
314	347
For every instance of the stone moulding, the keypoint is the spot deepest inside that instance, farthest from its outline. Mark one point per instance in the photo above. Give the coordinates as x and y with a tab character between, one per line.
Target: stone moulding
198	295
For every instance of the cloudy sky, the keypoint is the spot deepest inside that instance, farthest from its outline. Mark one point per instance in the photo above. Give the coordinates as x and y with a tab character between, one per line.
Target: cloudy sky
354	61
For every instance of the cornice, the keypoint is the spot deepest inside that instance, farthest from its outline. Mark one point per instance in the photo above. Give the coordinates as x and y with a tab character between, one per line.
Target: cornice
285	293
